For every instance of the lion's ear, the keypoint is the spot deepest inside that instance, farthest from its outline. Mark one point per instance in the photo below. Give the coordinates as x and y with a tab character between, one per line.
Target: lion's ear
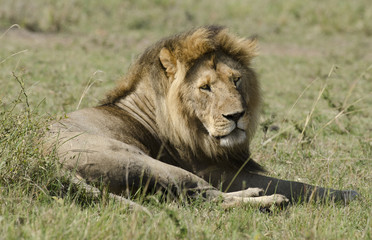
168	61
251	45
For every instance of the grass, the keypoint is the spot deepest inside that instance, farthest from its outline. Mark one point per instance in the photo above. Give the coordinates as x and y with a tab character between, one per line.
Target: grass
315	69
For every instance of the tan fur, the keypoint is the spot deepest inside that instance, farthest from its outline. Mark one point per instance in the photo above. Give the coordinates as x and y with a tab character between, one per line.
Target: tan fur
181	120
178	55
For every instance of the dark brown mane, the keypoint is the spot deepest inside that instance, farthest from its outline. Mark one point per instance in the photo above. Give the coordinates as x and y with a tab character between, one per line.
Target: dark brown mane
186	47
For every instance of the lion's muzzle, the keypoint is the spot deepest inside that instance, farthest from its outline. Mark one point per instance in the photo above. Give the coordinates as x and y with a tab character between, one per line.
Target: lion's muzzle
230	129
234	116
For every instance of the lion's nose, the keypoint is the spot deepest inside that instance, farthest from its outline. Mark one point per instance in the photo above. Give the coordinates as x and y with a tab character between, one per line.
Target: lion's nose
234	116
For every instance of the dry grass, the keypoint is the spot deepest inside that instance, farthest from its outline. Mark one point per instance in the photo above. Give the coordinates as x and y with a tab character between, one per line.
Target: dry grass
315	68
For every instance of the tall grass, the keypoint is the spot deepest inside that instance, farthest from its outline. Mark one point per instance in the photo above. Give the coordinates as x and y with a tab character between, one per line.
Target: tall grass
316	126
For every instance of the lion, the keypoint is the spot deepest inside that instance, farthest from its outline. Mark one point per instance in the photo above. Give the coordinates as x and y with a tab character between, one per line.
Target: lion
181	123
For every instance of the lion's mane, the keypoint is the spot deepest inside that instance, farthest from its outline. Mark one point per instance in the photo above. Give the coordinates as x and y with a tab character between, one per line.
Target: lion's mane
174	124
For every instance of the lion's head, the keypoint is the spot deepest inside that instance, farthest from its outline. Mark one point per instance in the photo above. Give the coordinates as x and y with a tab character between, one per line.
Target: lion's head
207	96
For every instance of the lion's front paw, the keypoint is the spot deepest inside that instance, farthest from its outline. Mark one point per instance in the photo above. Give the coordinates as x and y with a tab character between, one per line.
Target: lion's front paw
250	192
275	199
261	201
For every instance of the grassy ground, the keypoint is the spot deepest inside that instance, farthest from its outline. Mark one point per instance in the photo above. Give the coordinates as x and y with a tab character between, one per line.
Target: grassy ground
316	72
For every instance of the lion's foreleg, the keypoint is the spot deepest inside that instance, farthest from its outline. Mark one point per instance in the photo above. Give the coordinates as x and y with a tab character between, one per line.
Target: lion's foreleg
125	169
261	201
81	183
295	191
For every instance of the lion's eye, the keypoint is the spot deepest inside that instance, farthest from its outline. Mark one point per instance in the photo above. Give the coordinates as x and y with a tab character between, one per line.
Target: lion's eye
205	87
236	80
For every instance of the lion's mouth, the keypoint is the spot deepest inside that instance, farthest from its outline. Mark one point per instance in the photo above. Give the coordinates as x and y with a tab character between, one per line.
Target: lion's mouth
235	137
229	134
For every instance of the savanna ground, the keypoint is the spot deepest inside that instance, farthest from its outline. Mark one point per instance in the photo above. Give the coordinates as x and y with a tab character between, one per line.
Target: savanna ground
316	72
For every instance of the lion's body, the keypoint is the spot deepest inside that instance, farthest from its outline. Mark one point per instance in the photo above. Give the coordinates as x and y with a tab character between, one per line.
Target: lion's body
182	119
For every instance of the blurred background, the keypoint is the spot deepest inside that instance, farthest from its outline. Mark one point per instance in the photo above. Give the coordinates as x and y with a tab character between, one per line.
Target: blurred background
266	17
65	43
315	67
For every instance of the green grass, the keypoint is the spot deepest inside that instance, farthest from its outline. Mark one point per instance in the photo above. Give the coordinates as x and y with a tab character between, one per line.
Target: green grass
315	64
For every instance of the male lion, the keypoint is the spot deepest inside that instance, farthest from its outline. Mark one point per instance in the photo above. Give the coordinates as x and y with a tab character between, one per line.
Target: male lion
181	121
